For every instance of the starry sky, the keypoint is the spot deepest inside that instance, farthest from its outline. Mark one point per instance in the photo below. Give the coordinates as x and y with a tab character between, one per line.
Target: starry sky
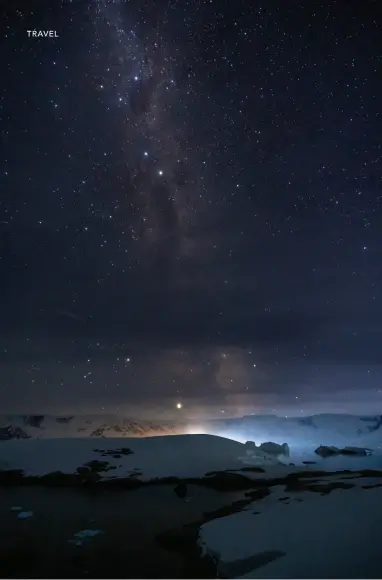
191	206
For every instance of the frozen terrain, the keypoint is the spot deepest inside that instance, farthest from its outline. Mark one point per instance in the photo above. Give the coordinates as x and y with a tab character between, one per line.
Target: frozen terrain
324	527
137	458
106	507
303	434
326	429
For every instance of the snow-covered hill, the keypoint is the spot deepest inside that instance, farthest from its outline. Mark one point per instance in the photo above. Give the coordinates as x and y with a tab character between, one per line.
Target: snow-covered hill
328	429
139	458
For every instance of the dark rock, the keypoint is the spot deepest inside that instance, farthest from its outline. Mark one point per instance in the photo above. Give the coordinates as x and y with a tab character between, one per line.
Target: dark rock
325	488
326	451
11	477
10	432
98	432
330	450
34	420
59	479
181	490
377	423
226	481
64	419
275	449
371	486
356	451
116	453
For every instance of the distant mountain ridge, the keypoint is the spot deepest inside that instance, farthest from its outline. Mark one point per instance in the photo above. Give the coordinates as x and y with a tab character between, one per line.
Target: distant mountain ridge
49	426
321	429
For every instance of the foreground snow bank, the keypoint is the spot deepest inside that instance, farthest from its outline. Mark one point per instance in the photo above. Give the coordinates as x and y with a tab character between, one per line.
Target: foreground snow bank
302	534
145	458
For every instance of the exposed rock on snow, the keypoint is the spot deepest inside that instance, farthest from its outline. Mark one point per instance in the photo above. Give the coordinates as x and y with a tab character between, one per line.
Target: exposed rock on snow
329	450
9	432
275	449
64	419
115	453
34	420
181	490
268	450
349	450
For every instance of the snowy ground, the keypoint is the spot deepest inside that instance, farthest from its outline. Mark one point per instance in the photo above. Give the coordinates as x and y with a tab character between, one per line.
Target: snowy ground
143	458
310	533
272	520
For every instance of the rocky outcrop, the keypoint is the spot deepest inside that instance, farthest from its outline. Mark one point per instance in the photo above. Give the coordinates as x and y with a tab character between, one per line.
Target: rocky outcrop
275	449
135	429
377	423
10	432
269	447
34	420
330	450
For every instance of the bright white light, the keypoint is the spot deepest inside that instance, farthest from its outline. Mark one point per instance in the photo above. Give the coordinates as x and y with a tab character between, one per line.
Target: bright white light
195	430
160	172
145	154
179	405
136	78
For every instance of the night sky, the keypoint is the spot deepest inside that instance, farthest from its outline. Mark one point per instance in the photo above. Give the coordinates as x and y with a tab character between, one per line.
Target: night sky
191	206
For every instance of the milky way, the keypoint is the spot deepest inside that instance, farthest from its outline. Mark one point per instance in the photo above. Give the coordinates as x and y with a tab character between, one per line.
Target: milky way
164	199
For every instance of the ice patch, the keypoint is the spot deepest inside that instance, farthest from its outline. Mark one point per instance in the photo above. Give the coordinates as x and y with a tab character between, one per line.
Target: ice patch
80	537
24	515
